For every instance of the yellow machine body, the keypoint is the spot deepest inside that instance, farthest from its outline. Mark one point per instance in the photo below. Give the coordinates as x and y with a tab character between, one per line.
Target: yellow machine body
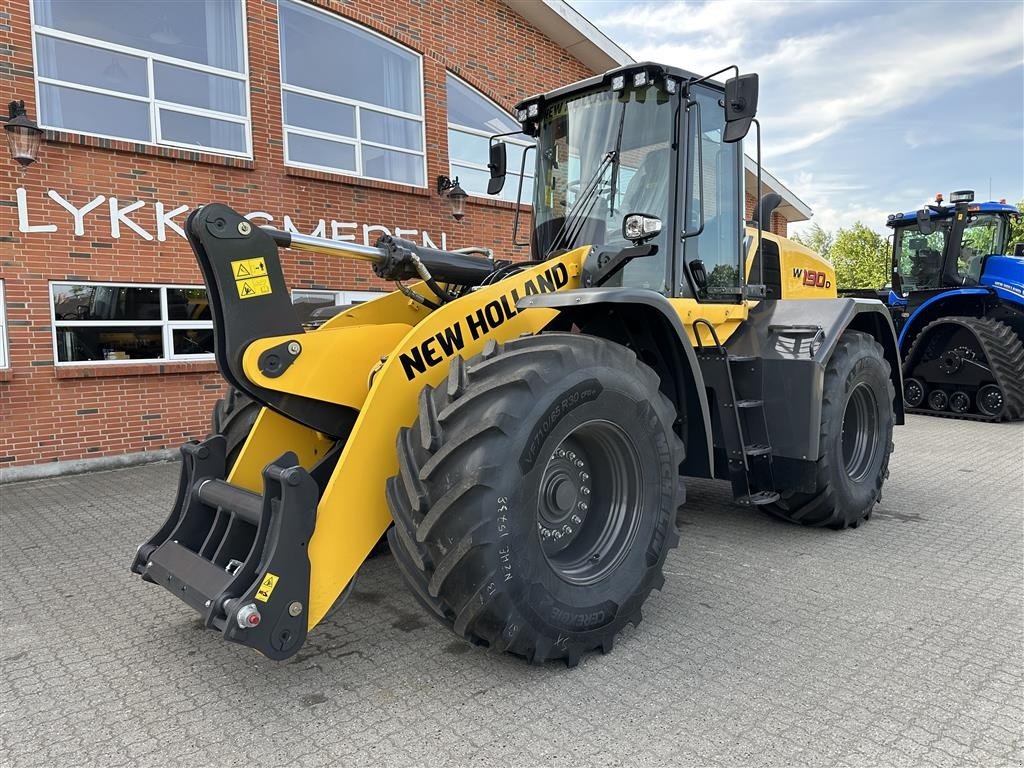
794	270
346	367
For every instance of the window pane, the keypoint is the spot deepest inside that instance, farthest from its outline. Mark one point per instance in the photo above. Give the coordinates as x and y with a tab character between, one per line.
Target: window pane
187	304
388	129
323	53
192	341
392	166
319	114
330	154
467	107
105	302
204	31
88	65
316	298
93	113
202	132
474	181
79	344
198	89
469	148
718	245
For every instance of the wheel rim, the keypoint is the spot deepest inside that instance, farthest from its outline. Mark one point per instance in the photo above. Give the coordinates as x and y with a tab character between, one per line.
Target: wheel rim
938	400
913	392
589	502
960	402
990	400
860	432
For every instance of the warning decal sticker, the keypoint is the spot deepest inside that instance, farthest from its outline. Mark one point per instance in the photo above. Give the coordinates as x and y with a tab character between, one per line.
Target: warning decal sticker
251	278
254	286
267	587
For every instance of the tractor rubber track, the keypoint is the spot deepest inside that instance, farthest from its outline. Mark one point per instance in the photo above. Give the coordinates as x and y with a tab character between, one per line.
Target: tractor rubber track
1004	352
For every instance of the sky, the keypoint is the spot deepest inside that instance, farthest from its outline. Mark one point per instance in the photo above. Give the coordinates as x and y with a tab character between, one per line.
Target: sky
867	108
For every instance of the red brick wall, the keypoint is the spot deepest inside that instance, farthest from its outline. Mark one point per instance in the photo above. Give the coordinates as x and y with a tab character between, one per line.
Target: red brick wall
50	413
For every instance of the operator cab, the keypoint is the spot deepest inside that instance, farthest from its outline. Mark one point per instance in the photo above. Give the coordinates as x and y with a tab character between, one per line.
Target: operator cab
946	246
618	145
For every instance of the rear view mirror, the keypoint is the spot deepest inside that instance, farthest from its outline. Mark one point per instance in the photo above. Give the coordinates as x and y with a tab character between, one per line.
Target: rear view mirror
740	106
496	165
925	225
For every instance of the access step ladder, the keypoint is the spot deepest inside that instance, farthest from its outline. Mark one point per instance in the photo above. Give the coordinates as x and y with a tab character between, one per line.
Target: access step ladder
737	382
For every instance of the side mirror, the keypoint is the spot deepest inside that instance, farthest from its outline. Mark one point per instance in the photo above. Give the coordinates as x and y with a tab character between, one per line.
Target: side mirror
496	165
740	106
639	227
1018	250
925	225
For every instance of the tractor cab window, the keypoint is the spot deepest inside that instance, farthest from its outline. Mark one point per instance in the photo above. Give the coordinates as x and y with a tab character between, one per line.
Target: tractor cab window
920	256
715	193
983	236
603	155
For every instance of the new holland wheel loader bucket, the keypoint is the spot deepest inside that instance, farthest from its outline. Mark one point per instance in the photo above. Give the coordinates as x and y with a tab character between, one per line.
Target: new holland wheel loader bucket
263	549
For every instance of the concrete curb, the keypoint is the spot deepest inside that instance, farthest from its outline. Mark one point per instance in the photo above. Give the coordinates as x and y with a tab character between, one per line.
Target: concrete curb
80	466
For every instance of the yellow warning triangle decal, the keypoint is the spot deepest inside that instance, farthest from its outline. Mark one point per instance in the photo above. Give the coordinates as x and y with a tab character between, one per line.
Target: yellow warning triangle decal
247	290
242	271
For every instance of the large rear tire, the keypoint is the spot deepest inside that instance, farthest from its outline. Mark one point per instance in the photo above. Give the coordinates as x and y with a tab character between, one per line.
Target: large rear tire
537	495
855	440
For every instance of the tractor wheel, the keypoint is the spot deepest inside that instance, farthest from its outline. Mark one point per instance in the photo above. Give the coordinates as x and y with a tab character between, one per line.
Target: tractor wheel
233	416
537	495
856	439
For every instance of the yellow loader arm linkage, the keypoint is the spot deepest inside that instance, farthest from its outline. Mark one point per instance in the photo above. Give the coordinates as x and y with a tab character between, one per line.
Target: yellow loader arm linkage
264	552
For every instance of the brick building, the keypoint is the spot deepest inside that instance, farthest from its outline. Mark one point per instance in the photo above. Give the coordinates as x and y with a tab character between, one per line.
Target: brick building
325	117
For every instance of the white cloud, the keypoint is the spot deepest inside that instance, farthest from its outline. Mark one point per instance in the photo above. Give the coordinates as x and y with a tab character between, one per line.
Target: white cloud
833	75
819	83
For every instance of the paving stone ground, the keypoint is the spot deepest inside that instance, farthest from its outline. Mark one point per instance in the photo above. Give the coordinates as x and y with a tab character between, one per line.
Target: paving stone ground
899	643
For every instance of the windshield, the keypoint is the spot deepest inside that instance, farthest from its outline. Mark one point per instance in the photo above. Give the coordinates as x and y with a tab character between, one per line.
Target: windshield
919	256
603	155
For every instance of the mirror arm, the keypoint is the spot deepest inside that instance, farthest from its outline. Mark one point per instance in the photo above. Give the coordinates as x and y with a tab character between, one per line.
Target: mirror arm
733	67
760	224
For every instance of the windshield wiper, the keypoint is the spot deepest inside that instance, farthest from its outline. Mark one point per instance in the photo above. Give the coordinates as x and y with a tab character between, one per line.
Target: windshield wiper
573	222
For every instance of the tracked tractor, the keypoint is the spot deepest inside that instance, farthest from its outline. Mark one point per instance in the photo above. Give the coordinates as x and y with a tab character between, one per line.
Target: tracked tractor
523	430
957	299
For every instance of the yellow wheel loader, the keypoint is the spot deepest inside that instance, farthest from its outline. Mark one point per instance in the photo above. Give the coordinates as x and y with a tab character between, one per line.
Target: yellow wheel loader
522	430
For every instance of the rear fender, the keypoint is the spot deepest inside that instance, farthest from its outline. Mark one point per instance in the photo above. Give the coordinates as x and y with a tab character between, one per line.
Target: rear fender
647	323
794	362
969	302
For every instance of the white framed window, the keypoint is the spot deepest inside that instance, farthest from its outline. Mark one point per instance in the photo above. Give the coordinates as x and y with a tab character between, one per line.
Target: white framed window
5	358
161	72
352	100
308	300
121	322
472	120
333	298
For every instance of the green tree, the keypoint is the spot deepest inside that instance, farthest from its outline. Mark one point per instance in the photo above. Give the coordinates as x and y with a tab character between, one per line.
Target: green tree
861	257
817	239
1016	229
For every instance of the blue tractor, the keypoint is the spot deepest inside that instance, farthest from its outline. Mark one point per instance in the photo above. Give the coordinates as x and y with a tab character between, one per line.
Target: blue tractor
958	304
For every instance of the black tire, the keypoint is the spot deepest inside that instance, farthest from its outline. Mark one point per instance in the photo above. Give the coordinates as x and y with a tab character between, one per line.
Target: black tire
476	493
233	416
856	439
